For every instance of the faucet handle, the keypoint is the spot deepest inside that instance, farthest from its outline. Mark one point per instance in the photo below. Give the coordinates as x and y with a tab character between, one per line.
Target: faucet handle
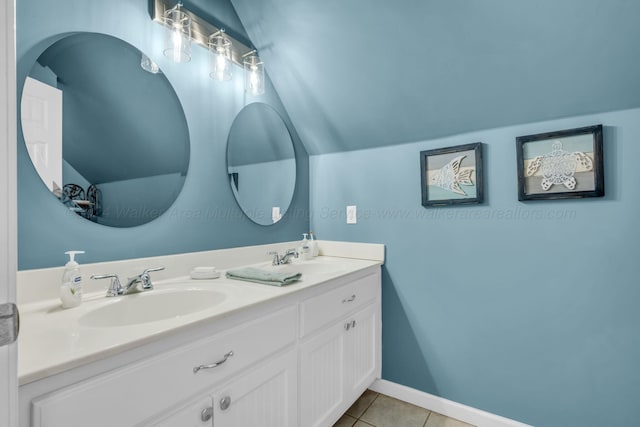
149	270
146	279
276	257
115	288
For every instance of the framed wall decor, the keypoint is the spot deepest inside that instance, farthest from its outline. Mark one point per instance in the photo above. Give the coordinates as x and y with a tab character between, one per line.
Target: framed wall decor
564	164
452	175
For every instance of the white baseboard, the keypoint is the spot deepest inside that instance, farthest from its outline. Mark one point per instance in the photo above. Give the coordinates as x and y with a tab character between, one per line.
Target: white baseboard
443	406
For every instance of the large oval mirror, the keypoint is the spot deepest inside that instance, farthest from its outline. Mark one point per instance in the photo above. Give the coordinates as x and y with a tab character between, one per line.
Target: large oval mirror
261	163
107	136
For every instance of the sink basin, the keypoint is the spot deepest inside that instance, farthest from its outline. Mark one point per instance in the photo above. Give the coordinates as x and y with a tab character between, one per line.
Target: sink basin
151	306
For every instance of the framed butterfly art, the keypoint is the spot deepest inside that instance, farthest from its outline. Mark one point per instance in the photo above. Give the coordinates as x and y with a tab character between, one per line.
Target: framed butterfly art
452	175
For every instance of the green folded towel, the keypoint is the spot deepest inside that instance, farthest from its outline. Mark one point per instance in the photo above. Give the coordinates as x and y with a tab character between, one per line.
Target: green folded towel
273	278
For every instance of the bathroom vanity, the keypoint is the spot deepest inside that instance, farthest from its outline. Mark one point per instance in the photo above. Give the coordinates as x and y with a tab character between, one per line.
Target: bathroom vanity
207	352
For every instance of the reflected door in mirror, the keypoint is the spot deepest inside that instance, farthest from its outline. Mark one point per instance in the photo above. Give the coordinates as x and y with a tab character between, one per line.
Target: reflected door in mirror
41	111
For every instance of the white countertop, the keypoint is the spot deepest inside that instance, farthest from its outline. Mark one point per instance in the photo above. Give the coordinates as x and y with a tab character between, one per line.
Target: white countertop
53	340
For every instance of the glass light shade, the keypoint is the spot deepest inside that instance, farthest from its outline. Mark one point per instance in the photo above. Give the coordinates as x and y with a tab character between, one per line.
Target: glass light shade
253	75
148	65
177	42
220	58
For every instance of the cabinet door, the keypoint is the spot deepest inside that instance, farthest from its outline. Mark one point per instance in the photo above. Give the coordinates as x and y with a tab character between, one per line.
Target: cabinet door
322	376
266	397
197	414
361	363
337	365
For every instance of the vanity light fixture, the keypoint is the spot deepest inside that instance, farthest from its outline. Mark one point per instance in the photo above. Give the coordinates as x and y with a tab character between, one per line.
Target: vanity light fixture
177	43
220	49
253	73
224	49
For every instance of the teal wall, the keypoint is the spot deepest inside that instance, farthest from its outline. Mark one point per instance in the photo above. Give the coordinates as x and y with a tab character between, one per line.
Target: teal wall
72	176
205	215
133	201
526	310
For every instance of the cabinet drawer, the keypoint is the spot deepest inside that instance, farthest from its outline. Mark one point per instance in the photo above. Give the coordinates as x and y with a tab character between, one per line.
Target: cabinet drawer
330	306
129	395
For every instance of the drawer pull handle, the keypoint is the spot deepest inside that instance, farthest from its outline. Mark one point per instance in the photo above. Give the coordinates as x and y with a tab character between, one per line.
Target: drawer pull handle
353	323
349	299
206	414
213	365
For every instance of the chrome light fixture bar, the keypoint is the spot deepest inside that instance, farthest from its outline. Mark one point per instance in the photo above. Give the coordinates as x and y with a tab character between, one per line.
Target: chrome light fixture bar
200	30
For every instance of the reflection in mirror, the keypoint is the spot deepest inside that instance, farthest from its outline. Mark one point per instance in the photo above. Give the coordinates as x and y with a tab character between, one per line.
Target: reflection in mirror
261	163
107	137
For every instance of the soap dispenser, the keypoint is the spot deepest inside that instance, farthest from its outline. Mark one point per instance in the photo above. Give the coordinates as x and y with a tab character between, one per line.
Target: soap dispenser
305	248
71	288
313	244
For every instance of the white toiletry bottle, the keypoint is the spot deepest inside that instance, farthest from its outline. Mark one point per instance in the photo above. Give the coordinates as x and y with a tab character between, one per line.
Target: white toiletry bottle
305	248
71	288
313	244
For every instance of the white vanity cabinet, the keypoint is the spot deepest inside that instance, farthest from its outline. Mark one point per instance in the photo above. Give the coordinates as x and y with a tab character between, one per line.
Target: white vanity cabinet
340	351
265	397
298	360
133	394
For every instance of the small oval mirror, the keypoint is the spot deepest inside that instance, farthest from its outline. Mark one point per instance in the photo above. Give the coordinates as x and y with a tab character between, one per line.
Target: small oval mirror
261	163
105	130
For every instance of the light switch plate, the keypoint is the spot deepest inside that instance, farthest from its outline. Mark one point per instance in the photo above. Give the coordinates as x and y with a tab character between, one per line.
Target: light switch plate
352	215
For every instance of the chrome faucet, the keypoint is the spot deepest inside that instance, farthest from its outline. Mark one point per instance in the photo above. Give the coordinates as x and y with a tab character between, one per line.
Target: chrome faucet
284	259
116	288
143	279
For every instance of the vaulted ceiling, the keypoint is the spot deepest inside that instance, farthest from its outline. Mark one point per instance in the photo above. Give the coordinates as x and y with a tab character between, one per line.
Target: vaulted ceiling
356	74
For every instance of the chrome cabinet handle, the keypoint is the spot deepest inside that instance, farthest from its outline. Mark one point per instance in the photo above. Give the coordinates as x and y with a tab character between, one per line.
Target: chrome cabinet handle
206	414
213	365
225	402
351	298
350	325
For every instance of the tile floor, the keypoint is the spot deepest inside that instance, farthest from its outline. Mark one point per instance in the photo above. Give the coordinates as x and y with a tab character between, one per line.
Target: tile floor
377	410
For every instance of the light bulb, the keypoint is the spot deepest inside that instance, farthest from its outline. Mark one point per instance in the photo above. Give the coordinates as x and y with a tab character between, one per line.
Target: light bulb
220	48
254	75
177	44
255	81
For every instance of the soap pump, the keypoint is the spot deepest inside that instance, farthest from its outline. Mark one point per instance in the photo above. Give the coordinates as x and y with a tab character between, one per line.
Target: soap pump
313	245
305	248
71	288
